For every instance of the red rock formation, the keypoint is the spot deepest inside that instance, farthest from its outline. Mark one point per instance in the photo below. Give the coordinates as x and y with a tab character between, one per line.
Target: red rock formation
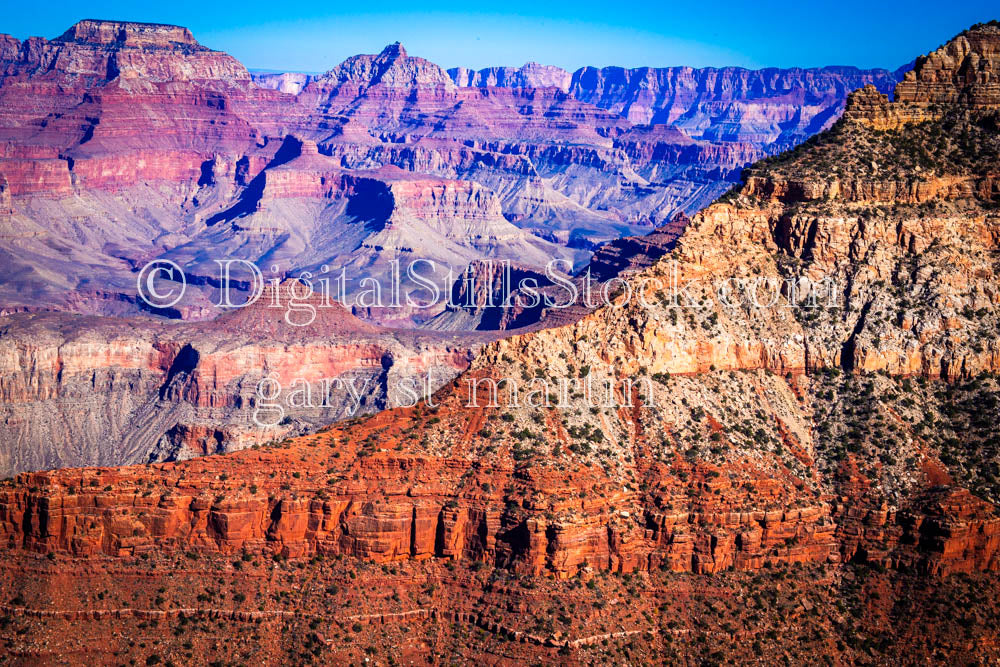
398	505
962	71
195	102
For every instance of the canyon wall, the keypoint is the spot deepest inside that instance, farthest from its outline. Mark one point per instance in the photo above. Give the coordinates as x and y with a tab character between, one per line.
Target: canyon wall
771	108
78	391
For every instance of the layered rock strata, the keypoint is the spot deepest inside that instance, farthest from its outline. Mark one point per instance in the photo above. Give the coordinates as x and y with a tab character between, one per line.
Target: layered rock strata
744	468
78	390
122	142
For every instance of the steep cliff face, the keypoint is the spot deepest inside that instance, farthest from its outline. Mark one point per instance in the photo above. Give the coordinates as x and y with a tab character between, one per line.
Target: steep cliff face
529	75
127	33
73	98
99	51
898	205
963	71
81	390
907	276
771	108
521	509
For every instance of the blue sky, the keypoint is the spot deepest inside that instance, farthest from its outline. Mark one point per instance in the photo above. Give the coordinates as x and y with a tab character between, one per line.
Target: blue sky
316	36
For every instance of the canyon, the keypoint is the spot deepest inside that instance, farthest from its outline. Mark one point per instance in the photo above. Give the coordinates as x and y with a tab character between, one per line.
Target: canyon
121	143
792	480
125	143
